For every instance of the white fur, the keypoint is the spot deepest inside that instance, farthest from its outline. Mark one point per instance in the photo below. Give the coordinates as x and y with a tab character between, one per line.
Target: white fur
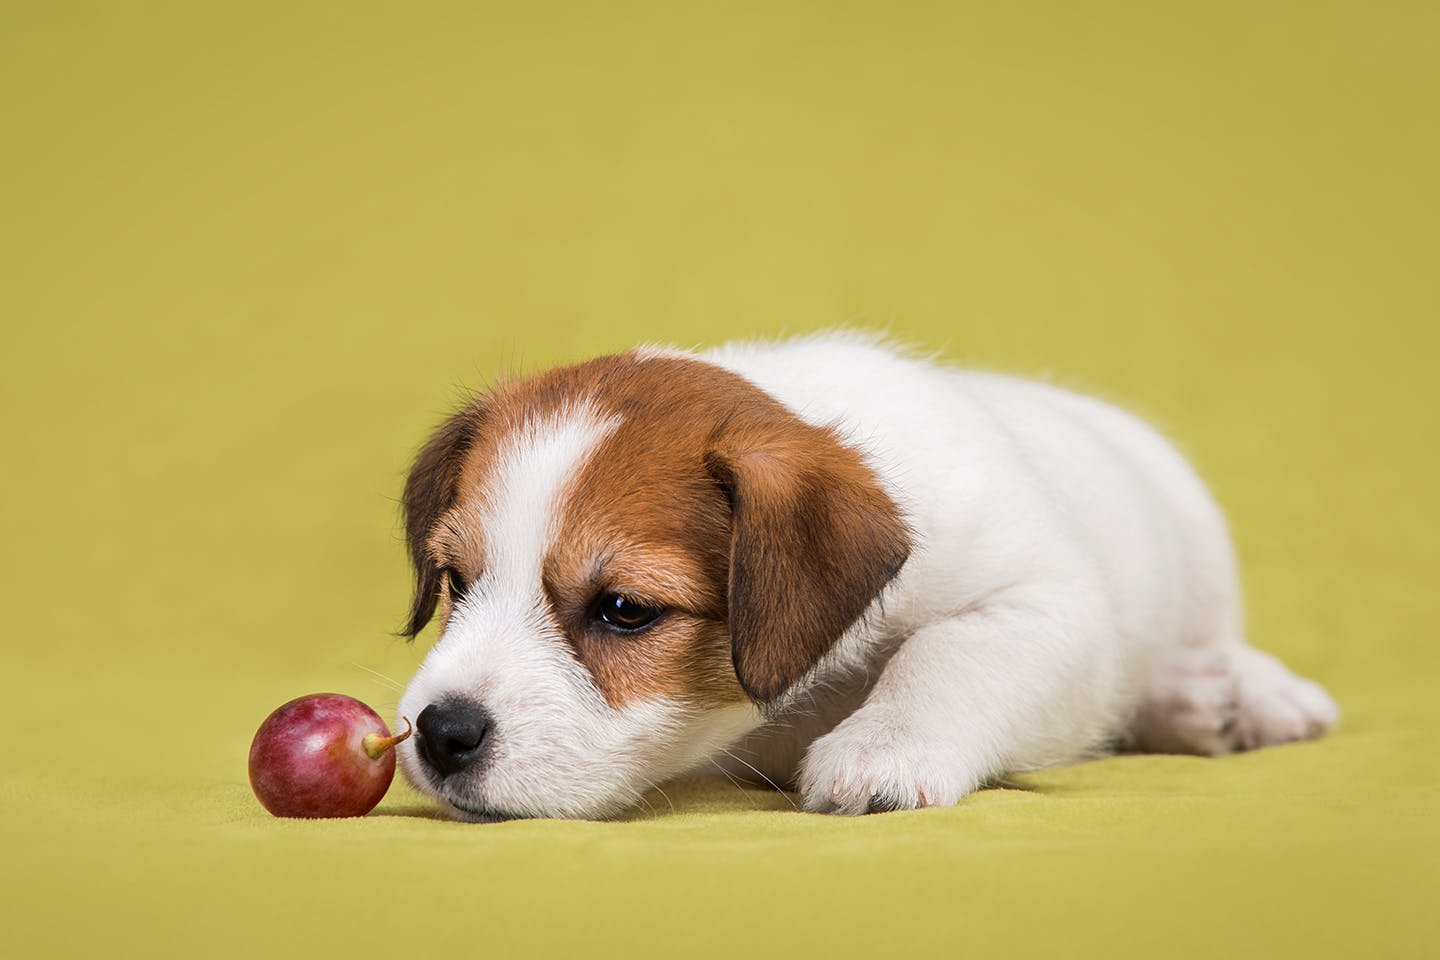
1072	584
1066	556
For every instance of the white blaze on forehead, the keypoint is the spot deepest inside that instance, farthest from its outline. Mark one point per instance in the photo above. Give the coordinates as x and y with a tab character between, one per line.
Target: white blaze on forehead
521	513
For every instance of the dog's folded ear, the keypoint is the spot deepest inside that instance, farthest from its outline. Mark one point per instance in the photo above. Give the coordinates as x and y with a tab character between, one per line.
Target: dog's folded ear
430	491
814	539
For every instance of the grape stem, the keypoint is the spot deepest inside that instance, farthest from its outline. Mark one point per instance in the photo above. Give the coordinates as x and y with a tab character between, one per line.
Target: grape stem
376	745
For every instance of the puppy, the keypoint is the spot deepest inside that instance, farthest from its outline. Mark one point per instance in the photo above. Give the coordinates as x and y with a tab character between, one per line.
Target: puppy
821	564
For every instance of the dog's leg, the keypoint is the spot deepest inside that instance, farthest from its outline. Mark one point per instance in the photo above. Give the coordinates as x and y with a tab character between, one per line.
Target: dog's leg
1191	704
960	703
1276	706
1215	700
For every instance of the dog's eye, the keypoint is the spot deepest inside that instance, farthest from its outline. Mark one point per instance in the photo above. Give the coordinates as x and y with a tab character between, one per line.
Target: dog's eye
457	584
625	615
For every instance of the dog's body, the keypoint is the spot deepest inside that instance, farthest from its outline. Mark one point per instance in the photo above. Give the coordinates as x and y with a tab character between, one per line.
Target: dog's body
877	580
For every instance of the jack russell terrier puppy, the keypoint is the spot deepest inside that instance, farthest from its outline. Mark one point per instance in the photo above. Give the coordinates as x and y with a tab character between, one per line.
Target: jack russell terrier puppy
820	563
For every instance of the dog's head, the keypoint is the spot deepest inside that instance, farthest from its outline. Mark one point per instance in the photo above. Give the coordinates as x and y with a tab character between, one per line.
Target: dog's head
631	558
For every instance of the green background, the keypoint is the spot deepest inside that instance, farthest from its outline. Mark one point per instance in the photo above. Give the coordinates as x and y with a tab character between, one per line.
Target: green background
250	253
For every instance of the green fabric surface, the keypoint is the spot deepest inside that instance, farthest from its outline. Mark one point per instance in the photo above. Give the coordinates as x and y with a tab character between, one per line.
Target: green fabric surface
251	253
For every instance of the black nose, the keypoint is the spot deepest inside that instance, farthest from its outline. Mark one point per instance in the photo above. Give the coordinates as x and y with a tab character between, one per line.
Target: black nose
452	734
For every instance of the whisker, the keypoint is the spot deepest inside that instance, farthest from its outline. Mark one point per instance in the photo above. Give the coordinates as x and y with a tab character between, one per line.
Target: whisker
662	793
381	678
761	776
733	782
640	796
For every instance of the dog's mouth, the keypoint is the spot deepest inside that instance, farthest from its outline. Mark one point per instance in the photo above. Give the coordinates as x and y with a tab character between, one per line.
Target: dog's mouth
473	814
461	809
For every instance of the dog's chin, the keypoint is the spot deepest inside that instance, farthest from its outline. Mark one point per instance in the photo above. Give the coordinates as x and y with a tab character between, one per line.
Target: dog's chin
470	813
467	809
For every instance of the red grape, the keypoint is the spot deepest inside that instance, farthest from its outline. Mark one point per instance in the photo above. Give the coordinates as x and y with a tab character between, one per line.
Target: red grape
325	755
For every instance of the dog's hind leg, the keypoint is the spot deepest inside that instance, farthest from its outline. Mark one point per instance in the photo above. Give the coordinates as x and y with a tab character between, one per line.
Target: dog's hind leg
1276	706
1191	704
1216	700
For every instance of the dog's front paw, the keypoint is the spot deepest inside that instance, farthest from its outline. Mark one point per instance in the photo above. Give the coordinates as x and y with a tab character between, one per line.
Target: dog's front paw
865	766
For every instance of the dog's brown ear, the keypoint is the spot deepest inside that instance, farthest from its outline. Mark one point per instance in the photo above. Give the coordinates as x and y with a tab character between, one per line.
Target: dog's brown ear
814	539
430	490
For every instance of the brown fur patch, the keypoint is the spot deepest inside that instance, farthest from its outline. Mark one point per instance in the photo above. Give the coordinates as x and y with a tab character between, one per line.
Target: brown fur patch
814	539
430	492
763	537
644	519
